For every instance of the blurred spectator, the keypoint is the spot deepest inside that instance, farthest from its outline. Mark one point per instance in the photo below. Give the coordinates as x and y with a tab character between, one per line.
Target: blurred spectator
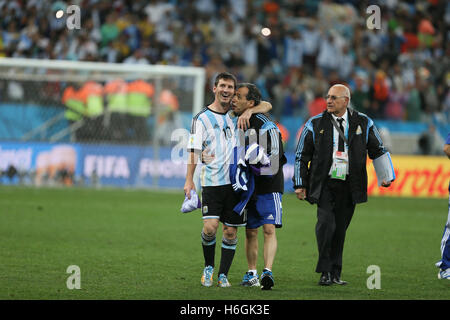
87	48
425	32
397	72
15	91
228	36
294	49
430	142
91	94
380	94
145	27
394	107
137	58
360	100
116	121
249	47
75	111
347	63
413	104
168	119
139	104
329	55
318	105
205	7
11	35
311	38
156	11
109	30
428	92
293	104
392	43
411	40
293	78
315	85
11	172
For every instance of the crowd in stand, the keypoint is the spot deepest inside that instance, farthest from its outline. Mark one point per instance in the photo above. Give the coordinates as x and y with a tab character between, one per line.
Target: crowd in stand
400	71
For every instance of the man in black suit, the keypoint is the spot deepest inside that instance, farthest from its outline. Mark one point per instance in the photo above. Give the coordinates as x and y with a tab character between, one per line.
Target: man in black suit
336	178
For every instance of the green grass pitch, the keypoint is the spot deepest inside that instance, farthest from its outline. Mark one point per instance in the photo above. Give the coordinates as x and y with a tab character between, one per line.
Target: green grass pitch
136	244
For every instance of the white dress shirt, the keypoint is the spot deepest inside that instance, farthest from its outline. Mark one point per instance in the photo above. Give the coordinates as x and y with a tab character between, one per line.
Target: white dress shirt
336	136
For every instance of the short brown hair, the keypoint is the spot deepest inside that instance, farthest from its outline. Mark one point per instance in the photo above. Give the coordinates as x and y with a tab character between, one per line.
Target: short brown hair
225	76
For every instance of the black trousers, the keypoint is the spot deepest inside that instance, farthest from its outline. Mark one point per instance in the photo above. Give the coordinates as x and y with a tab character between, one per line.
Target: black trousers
334	213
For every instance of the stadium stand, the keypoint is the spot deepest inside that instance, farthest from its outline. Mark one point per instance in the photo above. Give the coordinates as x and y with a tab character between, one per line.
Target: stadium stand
399	75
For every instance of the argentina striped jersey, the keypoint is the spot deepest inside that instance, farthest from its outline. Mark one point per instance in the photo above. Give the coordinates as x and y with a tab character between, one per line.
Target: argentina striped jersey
214	132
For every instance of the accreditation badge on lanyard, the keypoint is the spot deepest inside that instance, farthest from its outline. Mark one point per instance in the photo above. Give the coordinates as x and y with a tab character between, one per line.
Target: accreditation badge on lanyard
339	166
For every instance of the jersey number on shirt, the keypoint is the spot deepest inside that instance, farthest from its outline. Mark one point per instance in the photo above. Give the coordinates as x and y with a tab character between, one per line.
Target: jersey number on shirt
227	132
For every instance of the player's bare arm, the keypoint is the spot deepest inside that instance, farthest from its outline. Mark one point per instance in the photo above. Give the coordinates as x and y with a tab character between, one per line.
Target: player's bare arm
192	164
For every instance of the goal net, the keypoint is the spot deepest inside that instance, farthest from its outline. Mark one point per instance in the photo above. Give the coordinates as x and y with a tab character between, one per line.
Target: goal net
90	123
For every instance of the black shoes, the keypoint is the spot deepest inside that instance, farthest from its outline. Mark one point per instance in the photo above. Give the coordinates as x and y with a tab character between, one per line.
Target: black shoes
337	280
327	279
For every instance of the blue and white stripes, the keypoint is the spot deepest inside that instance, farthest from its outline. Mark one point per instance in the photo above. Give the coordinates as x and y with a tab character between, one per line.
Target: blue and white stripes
214	133
229	243
208	240
377	135
375	130
301	144
273	132
278	207
298	157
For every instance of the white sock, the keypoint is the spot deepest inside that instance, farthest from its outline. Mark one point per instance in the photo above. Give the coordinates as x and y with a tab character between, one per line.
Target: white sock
253	272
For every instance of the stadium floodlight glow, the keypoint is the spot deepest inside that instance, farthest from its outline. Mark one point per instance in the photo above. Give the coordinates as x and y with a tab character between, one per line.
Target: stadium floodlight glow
59	14
266	32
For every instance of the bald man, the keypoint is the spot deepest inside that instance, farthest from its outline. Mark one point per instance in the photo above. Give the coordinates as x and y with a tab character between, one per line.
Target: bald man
330	171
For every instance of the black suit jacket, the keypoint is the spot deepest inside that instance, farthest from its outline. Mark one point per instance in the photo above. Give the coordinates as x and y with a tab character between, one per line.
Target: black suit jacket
313	156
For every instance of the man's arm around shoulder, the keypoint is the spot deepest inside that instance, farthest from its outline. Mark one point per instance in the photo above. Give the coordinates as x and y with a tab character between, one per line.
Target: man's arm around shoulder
244	118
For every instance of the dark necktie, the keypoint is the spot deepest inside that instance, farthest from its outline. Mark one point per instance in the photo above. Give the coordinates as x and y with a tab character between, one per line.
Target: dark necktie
341	141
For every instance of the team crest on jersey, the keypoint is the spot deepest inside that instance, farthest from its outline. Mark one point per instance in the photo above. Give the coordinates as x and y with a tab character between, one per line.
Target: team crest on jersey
358	131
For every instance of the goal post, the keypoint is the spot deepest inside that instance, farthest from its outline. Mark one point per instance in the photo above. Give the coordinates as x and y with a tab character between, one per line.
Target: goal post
9	69
116	141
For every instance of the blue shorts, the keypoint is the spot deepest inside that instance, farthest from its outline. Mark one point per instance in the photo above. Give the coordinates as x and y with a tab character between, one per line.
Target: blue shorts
266	209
